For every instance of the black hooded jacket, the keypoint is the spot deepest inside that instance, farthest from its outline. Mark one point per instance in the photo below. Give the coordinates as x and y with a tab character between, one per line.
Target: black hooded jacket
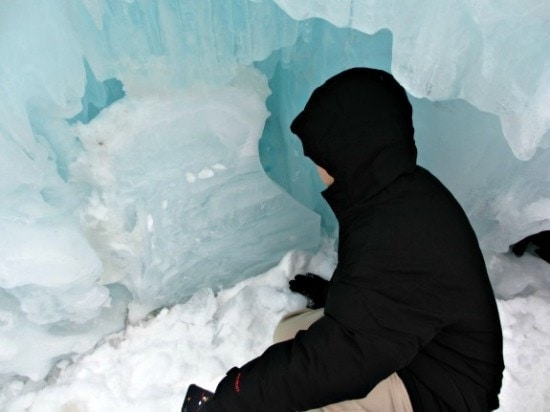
410	293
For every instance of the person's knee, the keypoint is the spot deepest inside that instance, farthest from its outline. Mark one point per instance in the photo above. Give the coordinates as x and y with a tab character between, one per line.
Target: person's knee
289	325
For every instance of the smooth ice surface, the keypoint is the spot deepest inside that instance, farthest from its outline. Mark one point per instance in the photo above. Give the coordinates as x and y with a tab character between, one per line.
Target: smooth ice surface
131	135
180	200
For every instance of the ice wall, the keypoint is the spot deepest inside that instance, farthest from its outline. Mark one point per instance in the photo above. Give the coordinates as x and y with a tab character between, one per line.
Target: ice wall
129	135
178	197
130	174
492	54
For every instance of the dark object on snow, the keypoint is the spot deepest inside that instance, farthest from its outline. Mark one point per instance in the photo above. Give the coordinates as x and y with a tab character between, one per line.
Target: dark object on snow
195	398
313	287
542	242
410	293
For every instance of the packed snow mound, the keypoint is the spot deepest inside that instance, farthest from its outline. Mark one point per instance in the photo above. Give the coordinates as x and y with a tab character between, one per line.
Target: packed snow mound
149	366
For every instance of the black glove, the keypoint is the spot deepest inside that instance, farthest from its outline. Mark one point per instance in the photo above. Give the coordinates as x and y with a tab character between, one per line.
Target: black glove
313	287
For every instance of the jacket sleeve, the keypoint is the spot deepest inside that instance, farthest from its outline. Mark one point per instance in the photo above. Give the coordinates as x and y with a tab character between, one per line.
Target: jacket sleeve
363	338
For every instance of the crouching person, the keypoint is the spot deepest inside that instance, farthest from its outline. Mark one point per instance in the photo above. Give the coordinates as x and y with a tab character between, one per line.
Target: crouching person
408	321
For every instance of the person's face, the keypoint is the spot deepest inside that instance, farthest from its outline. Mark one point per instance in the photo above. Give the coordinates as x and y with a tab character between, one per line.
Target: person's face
325	177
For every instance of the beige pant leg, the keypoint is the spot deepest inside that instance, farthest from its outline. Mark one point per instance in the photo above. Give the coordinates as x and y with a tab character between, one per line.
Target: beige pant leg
289	326
390	395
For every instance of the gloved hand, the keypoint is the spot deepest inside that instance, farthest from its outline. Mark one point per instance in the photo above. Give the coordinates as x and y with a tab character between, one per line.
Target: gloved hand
313	287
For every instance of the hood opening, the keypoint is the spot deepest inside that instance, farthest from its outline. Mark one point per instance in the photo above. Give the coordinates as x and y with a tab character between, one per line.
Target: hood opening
358	127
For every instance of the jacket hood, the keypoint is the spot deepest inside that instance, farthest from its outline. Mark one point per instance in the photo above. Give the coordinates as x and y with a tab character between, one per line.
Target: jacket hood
358	126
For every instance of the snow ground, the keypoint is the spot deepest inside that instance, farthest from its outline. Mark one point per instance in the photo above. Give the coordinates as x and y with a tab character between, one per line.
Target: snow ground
148	366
